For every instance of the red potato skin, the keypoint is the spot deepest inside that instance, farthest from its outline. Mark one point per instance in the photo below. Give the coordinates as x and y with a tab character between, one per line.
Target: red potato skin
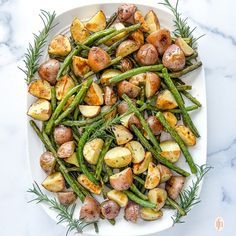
155	125
62	134
125	87
132	212
47	161
110	97
126	64
126	13
66	198
110	209
174	186
133	120
147	55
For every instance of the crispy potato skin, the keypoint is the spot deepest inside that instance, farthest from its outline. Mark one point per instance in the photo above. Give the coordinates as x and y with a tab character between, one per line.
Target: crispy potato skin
147	55
138	37
138	18
110	97
153	176
155	125
126	64
133	120
152	85
40	89
126	13
110	209
66	149
80	66
174	186
48	70
47	161
132	212
125	87
122	107
66	198
62	134
94	95
63	86
84	181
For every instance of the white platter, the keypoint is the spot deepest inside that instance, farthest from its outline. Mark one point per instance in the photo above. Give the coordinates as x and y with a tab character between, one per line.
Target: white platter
196	79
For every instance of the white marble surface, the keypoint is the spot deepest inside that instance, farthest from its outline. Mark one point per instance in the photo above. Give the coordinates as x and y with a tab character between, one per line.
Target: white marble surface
216	19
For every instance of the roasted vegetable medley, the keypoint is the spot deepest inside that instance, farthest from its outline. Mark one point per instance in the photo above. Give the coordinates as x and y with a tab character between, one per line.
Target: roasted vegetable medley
107	96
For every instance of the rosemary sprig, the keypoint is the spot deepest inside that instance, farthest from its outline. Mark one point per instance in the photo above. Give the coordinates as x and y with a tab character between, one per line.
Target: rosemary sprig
34	51
65	213
189	197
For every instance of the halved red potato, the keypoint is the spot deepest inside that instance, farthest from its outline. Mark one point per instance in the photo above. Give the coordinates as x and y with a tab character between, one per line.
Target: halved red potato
94	95
66	149
150	214
137	151
84	181
54	182
78	31
119	197
126	48
108	74
138	18
80	66
174	186
170	150
122	134
89	111
187	50
153	83
66	198
152	21
153	176
186	135
97	22
157	196
165	100
63	86
170	118
139	168
40	89
165	172
110	97
125	87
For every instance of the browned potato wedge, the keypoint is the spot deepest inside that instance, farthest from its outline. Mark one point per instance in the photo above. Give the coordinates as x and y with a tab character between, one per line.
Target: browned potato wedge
152	21
66	198
153	176
170	150
90	210
165	100
174	58
54	182
165	172
153	83
78	32
126	47
122	107
122	134
63	86
40	89
138	18
119	197
125	120
125	87
170	118
111	114
62	134
66	149
137	151
126	64
59	46
94	95
48	70
157	196
122	180
110	209
40	110
138	79
92	150
138	37
80	66
174	186
139	168
110	97
132	212
47	162
147	55
133	120
150	214
108	74
118	157
89	111
187	50
72	160
155	125
126	13
186	135
84	181
161	39
97	22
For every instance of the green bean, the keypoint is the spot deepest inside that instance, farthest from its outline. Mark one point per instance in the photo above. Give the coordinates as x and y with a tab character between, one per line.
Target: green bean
191	98
139	201
175	205
59	108
179	87
189	108
135	190
178	139
111	19
83	46
108	170
186	118
117	43
138	179
133	72
194	56
72	75
77	169
53	98
77	100
156	154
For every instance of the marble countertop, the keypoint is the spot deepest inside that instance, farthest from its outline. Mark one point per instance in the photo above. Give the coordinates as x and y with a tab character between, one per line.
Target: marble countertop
18	19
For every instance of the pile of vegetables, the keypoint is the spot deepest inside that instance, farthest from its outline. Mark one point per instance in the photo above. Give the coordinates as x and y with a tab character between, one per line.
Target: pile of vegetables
106	97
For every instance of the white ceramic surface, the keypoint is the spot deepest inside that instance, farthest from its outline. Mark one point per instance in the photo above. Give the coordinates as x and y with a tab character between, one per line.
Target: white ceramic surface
196	79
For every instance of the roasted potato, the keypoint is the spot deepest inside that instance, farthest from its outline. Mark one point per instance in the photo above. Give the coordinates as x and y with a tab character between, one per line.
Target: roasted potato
98	59
108	74
59	46
165	100
54	182
161	39
174	186
133	120
62	134
147	55
40	110
137	151
126	48
94	95
170	150
90	210
126	13
122	180
165	172
110	209
170	118
174	58
157	196
153	176
132	212
47	162
48	70
92	150
80	66
122	107
122	134
111	114
119	197
125	87
97	22
138	79
66	149
153	83
89	111
139	168
187	50
118	157
78	32
63	86
152	21
186	135
126	64
72	160
138	18
84	181
155	125
110	97
66	198
150	214
125	120
138	37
